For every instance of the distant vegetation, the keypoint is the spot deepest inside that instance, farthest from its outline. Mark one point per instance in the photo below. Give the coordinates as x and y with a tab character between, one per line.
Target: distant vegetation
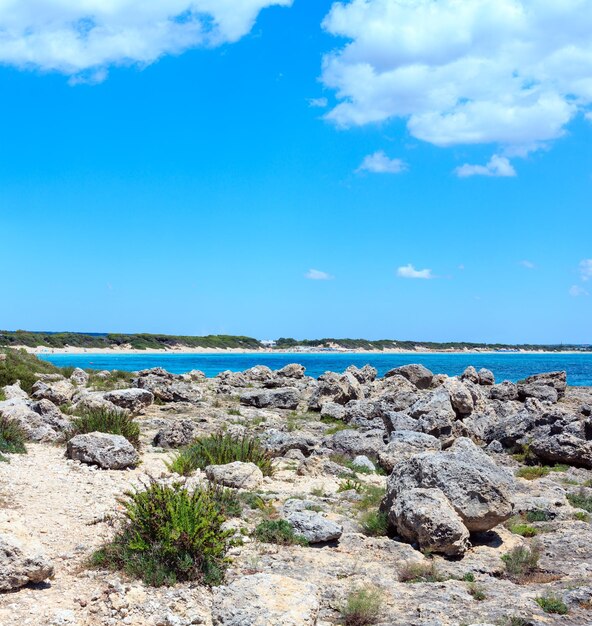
145	341
18	365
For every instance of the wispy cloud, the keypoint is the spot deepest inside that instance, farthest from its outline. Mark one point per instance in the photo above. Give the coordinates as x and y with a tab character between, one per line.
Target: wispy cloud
586	269
379	163
318	275
498	166
529	265
318	103
408	271
575	291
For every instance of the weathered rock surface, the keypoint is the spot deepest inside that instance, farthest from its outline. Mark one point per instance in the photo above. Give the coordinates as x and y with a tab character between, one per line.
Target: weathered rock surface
266	599
419	375
237	475
176	435
426	516
102	449
478	490
168	387
79	376
134	400
283	398
58	392
563	448
404	444
22	559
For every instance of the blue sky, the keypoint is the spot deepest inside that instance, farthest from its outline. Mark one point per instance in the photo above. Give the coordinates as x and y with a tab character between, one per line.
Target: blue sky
291	171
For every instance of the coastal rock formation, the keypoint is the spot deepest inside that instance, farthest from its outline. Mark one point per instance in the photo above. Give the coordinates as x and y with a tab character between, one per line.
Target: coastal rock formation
134	400
58	392
175	435
106	451
283	398
418	375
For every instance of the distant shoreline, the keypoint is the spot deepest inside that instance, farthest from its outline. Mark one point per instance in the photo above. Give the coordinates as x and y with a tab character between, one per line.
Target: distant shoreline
43	350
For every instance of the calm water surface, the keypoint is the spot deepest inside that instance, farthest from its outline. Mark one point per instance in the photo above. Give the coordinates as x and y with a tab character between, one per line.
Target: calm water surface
505	366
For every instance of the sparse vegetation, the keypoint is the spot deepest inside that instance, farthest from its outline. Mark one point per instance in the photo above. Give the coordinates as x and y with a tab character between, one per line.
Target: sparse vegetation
580	500
524	530
374	524
425	572
168	535
106	421
117	379
522	562
552	604
12	437
581	516
18	365
362	607
533	472
538	516
477	591
349	484
280	532
220	449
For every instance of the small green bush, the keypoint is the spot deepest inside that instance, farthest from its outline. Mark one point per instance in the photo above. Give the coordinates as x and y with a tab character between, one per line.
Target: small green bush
420	573
169	535
521	562
580	500
12	437
533	472
374	524
117	379
220	449
524	530
280	532
477	591
372	496
362	607
106	421
581	516
469	577
19	365
2	396
538	516
552	604
349	484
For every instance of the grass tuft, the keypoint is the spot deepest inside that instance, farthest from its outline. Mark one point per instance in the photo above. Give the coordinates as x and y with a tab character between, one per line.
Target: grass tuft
280	532
362	607
12	437
220	449
533	472
169	535
420	573
580	500
552	604
374	524
106	421
522	562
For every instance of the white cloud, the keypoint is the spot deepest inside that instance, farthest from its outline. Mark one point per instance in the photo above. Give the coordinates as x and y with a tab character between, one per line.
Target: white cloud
576	291
379	163
498	166
511	72
588	116
318	103
586	269
86	36
529	265
408	271
318	275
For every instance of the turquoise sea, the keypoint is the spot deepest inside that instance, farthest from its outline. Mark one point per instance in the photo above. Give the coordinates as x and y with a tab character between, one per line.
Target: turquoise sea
505	366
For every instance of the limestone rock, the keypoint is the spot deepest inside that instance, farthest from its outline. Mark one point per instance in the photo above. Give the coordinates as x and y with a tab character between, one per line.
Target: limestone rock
563	448
426	516
266	599
419	375
12	392
311	525
557	380
134	400
21	557
283	398
404	444
58	392
79	376
102	449
479	491
176	435
292	370
332	410
486	377
238	475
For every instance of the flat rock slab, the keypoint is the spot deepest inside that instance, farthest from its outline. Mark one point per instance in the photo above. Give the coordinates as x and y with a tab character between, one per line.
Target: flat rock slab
266	599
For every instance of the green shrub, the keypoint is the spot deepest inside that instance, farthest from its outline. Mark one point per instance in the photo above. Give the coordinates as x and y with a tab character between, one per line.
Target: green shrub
552	604
524	530
220	449
533	472
349	484
522	562
280	532
374	524
12	437
538	516
420	573
169	535
362	607
19	365
117	379
469	577
580	500
581	516
371	498
2	396
256	502
477	591
106	421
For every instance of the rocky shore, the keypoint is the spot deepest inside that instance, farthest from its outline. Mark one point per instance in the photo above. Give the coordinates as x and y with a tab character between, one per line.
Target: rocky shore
446	501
